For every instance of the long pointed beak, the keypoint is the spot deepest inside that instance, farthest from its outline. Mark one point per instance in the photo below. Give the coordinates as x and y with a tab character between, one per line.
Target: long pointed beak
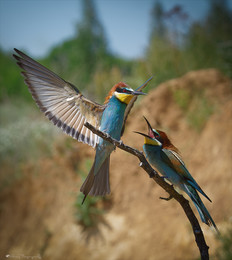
148	124
142	134
150	130
144	84
136	93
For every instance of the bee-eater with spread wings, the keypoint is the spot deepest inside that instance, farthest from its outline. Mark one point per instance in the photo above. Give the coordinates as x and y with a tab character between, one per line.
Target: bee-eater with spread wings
68	109
164	156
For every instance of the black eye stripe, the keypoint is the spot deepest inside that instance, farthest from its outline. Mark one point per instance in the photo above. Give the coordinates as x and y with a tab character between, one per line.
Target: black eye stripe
123	90
119	90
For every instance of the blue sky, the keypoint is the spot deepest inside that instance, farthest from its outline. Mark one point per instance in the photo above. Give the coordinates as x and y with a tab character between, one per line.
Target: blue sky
37	25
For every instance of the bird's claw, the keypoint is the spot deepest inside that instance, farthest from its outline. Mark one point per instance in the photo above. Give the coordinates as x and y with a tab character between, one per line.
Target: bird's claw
107	135
152	174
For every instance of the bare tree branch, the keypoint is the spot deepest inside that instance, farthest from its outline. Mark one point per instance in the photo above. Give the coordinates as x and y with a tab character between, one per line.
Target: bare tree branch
199	236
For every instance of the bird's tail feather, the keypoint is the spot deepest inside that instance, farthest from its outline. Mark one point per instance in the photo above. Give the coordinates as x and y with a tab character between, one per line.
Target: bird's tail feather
97	184
203	212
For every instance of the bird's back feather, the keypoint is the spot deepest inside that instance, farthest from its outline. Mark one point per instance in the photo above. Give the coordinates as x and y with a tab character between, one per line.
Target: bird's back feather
174	162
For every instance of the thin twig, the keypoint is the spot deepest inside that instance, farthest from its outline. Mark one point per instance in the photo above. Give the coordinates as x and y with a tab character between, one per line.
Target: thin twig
199	236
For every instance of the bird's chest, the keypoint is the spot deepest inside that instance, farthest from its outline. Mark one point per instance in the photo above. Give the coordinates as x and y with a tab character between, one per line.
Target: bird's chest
112	119
154	157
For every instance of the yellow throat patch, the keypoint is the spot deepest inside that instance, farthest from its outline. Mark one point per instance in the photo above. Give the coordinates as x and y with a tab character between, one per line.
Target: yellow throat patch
151	141
125	98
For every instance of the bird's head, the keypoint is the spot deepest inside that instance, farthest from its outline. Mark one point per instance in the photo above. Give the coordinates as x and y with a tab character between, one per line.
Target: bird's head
153	137
158	138
123	93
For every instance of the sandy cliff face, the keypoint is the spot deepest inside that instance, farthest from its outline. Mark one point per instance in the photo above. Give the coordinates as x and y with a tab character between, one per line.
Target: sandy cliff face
196	112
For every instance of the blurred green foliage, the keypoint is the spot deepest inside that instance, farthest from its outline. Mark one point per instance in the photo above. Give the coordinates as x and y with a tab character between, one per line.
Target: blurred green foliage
11	82
206	43
182	97
22	131
175	47
199	113
196	107
24	137
224	251
209	43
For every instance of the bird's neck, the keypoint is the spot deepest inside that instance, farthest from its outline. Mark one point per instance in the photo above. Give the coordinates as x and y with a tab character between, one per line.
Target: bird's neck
112	118
152	148
152	153
115	101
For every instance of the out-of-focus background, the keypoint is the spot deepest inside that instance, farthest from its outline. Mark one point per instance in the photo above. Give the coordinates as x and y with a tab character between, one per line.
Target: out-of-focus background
187	46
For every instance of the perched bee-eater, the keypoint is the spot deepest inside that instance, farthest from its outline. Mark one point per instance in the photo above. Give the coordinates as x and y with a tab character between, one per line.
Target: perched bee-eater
68	109
164	156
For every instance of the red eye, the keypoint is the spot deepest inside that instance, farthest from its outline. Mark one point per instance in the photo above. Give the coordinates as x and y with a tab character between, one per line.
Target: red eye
124	91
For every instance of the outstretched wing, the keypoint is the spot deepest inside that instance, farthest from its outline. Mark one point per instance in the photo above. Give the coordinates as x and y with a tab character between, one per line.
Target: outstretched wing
131	104
175	162
61	101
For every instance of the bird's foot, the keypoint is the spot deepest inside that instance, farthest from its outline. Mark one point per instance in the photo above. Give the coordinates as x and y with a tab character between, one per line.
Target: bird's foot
167	199
121	142
107	135
151	174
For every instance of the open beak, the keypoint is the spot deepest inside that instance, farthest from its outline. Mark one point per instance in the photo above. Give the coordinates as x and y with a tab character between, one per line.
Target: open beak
149	125
142	134
150	131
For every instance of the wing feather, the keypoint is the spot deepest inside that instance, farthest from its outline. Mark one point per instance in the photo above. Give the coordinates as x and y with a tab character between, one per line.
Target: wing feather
175	162
61	101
